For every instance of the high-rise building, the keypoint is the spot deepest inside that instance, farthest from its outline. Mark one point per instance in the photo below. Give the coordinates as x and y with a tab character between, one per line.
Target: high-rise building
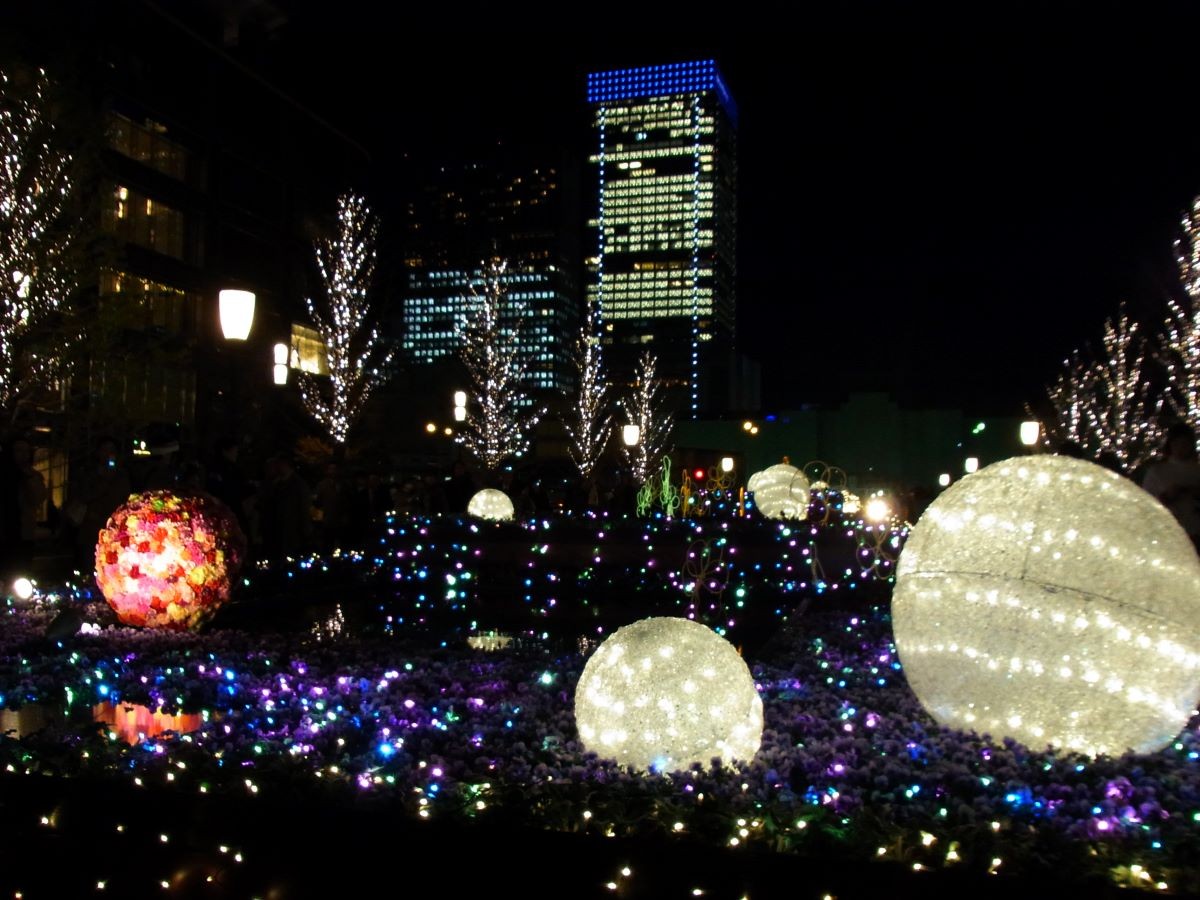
662	275
466	214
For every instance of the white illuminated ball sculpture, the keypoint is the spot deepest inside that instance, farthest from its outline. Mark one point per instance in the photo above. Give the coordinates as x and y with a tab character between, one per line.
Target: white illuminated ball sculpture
780	492
663	693
1049	600
491	504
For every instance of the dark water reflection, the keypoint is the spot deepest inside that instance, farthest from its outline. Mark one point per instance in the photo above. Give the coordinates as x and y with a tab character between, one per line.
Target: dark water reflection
131	722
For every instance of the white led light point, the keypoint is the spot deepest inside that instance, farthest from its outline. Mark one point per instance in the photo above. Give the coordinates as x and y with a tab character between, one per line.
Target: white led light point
664	693
1052	601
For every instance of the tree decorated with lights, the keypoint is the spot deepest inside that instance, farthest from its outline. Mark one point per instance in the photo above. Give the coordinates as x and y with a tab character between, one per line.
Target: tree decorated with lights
343	317
589	423
39	265
644	408
1105	405
501	416
1179	351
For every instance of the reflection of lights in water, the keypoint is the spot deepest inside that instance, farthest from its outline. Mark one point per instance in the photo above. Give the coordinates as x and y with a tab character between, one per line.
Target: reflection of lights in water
131	722
489	641
27	720
134	723
332	627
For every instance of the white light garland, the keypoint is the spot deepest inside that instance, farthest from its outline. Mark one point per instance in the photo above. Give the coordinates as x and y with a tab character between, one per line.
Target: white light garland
38	265
780	492
589	426
643	409
357	361
664	693
500	416
1052	601
491	504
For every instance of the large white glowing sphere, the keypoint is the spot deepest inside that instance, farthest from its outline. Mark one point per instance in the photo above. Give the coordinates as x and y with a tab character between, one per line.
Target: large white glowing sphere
780	492
664	693
1052	601
491	504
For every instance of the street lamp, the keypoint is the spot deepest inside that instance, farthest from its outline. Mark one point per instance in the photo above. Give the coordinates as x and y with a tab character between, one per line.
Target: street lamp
944	479
971	464
631	434
237	313
281	364
726	463
460	406
1030	432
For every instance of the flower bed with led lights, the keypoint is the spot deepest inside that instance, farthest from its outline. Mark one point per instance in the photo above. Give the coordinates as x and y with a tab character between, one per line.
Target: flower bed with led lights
851	769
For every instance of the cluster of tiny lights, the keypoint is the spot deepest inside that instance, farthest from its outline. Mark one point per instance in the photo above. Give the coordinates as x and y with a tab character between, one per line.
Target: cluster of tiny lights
589	423
492	505
356	356
500	416
1052	601
36	272
645	408
664	693
780	492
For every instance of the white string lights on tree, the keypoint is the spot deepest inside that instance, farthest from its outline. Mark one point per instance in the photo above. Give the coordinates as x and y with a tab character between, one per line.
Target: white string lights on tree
357	360
1106	406
500	415
1180	343
589	424
645	410
38	270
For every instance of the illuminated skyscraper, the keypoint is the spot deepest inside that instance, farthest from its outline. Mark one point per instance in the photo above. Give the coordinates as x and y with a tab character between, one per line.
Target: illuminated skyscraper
662	275
464	214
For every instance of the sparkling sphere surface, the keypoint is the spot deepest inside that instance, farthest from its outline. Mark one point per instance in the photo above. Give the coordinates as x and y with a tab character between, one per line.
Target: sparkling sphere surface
166	561
780	492
1049	600
491	504
664	693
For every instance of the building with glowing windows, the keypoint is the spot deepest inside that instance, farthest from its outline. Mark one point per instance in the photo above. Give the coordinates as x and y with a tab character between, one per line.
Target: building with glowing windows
466	214
662	273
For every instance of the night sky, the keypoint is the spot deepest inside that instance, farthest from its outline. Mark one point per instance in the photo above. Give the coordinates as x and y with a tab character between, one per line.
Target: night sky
936	206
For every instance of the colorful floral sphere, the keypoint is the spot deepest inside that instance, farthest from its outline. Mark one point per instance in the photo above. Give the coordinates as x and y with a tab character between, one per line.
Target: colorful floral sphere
491	504
780	492
664	693
166	561
1052	601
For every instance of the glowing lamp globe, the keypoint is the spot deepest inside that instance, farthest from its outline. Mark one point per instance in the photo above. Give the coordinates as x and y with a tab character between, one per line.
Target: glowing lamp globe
491	504
166	561
664	693
780	492
1052	601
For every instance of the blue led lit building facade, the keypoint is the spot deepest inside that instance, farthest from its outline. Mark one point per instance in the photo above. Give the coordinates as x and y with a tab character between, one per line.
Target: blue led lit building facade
662	274
467	213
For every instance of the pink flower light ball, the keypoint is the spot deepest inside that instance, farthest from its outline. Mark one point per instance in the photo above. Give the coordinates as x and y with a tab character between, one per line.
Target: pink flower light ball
167	561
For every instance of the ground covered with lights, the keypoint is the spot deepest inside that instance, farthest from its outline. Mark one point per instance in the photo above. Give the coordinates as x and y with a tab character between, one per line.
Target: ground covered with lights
343	724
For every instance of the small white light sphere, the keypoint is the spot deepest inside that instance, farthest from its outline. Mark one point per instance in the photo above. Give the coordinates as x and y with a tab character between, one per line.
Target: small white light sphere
491	504
663	693
22	588
1052	601
780	492
878	510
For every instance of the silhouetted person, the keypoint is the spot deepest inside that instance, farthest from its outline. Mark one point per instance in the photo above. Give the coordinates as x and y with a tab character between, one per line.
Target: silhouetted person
459	489
285	511
100	488
1175	479
227	482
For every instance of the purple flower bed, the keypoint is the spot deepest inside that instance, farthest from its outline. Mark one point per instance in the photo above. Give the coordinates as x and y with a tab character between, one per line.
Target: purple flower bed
850	767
